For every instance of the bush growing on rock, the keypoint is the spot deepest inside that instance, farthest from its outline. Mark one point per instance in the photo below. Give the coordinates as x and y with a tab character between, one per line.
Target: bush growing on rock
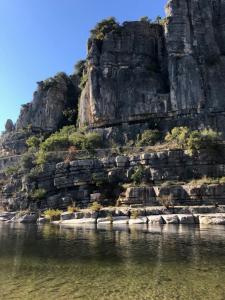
38	194
58	140
35	171
104	27
70	136
93	140
95	206
55	142
178	136
41	157
195	141
77	140
72	209
52	214
138	176
12	170
206	139
149	138
80	67
145	19
33	142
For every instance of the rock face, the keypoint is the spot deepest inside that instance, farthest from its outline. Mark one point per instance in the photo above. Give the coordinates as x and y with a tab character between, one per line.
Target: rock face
127	76
195	37
153	73
9	126
52	98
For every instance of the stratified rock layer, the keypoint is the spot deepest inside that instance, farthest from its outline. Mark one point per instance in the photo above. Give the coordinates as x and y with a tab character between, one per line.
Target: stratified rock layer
108	179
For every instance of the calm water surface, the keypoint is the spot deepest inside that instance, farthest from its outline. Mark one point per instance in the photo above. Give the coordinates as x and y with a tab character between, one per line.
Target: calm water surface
168	262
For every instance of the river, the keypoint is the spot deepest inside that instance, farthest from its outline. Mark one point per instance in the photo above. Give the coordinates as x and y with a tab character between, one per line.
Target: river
144	263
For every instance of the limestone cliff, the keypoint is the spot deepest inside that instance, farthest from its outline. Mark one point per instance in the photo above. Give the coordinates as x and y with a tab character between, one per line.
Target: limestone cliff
153	73
52	98
54	104
127	75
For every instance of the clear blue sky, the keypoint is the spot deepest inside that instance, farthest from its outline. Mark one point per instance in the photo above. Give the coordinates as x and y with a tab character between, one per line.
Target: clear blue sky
39	38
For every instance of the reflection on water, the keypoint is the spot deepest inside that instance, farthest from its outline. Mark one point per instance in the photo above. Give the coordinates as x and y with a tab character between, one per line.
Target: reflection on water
168	262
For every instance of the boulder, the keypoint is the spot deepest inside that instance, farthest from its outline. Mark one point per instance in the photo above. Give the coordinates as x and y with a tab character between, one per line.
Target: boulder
171	219
42	220
155	220
105	221
66	216
120	220
28	218
79	221
213	219
186	219
122	161
138	220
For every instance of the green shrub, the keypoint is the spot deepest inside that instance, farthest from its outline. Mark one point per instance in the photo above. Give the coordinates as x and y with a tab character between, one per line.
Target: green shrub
68	136
35	171
72	209
52	214
41	157
95	206
93	140
33	142
88	141
58	140
38	194
55	142
149	138
67	130
179	136
80	67
12	170
145	19
104	27
206	139
77	139
195	141
138	175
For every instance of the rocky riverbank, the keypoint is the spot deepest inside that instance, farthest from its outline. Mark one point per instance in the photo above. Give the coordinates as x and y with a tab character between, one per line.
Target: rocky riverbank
203	215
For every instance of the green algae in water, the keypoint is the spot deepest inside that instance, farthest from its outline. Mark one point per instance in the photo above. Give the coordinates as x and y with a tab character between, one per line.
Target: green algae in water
168	262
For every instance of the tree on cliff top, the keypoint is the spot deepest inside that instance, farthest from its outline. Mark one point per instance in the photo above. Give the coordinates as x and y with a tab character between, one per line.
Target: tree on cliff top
104	27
